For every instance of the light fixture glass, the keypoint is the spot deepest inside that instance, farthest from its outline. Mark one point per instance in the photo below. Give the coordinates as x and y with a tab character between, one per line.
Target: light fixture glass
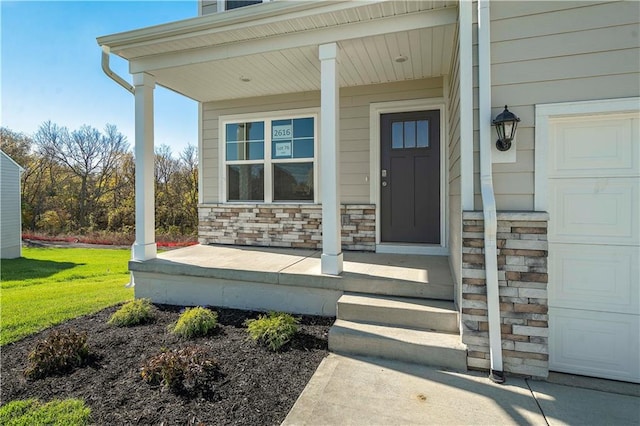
506	124
244	79
400	59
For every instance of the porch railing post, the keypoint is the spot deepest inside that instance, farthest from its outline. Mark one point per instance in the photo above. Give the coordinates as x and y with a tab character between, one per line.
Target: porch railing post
331	262
144	247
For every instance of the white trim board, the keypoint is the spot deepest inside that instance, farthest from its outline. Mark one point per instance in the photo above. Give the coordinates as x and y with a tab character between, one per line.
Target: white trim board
375	110
546	112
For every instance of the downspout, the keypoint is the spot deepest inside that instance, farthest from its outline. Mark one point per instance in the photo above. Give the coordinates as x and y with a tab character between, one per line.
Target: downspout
488	196
112	75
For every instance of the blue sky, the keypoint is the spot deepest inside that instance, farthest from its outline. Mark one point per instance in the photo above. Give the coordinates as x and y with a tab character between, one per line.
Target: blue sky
50	68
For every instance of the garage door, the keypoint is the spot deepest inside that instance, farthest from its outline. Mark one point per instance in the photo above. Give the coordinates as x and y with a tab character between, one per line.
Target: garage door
594	245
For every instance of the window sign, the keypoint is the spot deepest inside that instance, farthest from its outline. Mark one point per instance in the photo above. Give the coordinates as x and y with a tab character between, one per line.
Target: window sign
283	131
283	149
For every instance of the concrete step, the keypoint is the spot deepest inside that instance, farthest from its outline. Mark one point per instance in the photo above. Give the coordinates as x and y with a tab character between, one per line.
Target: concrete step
425	314
402	344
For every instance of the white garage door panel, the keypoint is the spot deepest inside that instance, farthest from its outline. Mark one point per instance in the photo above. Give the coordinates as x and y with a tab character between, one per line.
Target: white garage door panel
593	193
590	146
591	210
596	278
595	344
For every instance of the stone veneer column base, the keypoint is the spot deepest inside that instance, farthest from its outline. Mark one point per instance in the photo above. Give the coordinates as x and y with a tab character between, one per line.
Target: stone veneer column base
284	225
522	277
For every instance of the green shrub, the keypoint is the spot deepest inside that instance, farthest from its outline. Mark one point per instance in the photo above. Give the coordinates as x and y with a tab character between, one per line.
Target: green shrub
136	312
273	330
195	322
68	412
190	370
60	352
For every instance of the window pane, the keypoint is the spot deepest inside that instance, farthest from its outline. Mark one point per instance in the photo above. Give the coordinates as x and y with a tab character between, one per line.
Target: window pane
303	148
245	141
396	135
234	4
281	130
409	134
293	182
256	150
246	182
423	134
292	138
303	127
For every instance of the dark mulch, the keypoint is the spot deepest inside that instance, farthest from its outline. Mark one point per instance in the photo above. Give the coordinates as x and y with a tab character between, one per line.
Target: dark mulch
258	387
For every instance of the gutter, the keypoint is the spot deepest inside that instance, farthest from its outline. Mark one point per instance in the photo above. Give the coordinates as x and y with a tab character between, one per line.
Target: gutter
488	196
109	72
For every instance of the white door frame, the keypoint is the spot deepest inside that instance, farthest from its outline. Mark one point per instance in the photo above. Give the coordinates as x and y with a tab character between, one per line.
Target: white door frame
375	110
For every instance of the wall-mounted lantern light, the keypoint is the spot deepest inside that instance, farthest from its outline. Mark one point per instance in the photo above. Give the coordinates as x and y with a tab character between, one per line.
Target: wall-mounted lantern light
506	123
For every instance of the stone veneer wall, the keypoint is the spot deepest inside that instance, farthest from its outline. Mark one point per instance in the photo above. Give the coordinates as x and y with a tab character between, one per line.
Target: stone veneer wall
522	277
284	225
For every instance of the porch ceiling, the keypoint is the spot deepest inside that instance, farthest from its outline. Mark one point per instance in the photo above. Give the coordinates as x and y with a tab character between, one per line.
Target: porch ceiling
275	46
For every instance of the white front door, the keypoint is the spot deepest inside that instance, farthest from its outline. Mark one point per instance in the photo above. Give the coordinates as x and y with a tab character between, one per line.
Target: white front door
594	245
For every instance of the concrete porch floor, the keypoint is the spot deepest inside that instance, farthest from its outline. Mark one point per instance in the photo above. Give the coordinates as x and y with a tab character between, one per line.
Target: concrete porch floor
295	273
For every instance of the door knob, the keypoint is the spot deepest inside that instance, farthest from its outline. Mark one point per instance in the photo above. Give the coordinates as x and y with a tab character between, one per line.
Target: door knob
384	183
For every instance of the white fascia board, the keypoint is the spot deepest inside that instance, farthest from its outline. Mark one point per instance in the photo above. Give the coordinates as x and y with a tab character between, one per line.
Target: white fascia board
400	23
239	18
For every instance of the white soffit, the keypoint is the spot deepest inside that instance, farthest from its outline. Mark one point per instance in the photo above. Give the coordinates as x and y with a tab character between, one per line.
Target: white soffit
279	53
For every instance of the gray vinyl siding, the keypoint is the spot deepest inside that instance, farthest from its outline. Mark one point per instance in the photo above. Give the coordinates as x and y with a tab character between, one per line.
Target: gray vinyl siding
10	220
354	129
560	51
453	163
207	7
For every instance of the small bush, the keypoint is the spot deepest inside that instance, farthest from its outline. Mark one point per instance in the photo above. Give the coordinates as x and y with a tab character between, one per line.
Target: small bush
195	322
60	352
68	412
190	370
273	330
136	312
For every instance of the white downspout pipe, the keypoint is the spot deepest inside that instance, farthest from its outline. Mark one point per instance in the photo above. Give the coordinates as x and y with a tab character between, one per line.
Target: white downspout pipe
109	72
486	188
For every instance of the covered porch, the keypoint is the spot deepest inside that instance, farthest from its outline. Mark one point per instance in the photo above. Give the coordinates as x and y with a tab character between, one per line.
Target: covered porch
285	279
344	64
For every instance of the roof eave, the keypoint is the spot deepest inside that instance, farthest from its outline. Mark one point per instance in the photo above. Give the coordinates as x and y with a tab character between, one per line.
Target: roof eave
276	10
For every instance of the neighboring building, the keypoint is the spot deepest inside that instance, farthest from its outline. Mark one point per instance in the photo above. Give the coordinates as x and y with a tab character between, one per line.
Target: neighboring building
368	126
10	211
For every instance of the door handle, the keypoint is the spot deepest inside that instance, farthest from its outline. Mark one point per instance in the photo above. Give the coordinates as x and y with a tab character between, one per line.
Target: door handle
384	183
384	173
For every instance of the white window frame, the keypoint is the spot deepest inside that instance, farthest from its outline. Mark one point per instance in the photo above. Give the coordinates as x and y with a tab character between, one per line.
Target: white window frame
267	161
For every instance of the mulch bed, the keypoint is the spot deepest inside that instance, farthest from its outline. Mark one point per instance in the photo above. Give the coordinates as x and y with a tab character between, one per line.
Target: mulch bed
258	386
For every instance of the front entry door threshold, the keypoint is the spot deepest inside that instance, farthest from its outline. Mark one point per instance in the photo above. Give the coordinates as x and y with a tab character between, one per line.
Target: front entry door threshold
404	248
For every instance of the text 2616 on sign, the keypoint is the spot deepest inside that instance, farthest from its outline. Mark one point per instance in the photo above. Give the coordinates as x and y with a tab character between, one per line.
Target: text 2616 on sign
282	132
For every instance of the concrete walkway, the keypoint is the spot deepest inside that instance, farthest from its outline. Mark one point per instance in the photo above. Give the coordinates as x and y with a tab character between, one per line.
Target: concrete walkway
363	391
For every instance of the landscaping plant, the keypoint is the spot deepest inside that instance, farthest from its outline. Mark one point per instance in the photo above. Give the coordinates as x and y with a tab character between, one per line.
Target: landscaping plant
60	352
67	412
274	330
190	370
136	312
195	322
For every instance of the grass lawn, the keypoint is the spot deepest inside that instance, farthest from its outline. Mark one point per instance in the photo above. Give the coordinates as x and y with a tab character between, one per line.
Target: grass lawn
50	285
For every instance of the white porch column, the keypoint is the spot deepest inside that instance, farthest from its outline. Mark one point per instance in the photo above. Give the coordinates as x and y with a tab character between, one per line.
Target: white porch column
144	247
331	261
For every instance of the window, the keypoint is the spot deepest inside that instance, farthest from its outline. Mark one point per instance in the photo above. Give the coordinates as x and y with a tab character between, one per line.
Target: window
234	4
270	160
410	134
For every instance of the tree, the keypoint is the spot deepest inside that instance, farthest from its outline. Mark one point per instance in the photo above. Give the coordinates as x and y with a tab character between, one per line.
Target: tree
92	159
